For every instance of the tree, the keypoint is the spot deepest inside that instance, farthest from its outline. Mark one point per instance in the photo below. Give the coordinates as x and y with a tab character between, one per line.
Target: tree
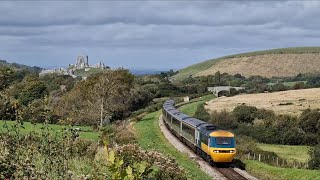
33	90
98	98
108	92
309	121
7	76
244	113
217	77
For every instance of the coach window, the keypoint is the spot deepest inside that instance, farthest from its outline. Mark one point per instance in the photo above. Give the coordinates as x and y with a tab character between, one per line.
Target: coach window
175	122
187	129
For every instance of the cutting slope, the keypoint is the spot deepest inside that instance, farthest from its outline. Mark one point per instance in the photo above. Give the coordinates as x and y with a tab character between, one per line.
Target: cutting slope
284	102
276	62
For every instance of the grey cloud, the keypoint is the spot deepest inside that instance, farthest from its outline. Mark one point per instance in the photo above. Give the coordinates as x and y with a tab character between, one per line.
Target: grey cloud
142	33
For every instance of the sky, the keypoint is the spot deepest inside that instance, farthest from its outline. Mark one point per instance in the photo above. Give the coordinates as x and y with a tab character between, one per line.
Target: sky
159	35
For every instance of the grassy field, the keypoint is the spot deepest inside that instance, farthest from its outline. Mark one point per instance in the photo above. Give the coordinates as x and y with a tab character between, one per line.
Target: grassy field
293	101
274	62
264	171
85	131
290	84
150	137
192	107
298	153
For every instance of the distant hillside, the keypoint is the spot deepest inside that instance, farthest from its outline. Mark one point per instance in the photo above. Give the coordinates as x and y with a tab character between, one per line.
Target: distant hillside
275	62
4	63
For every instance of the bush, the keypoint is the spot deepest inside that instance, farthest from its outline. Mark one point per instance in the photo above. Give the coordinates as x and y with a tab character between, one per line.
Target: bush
309	121
202	114
224	119
244	113
314	162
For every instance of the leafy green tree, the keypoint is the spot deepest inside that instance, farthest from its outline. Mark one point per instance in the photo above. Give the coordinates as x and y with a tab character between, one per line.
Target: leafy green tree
244	113
32	90
309	121
217	77
97	99
7	77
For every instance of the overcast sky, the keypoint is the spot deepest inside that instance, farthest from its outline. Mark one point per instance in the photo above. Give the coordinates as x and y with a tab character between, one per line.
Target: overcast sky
151	34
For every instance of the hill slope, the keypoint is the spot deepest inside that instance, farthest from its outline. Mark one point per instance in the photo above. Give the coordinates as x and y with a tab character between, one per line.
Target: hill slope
4	63
284	102
275	62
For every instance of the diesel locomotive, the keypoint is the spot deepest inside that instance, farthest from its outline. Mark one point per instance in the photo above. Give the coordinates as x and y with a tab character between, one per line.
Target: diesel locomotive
209	141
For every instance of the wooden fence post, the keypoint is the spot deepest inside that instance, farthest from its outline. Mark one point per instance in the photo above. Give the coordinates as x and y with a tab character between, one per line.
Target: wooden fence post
277	161
259	157
254	156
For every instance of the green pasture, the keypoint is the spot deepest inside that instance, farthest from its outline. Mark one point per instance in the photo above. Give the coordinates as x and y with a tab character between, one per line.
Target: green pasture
289	84
191	108
264	171
289	152
85	132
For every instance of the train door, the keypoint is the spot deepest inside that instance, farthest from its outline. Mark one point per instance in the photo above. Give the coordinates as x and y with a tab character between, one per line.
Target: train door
197	137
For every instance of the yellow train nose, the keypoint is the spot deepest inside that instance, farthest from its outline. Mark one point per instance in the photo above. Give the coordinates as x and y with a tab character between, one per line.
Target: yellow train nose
222	155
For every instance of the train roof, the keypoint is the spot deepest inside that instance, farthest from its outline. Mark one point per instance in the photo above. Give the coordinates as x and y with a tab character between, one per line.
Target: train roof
194	122
207	128
181	116
173	111
202	126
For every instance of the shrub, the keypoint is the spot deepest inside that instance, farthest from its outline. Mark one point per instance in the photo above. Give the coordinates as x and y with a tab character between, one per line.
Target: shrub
201	113
244	113
264	114
224	119
314	162
294	136
309	121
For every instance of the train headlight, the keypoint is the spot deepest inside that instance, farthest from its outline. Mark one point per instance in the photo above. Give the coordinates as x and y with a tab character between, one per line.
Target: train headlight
232	151
216	151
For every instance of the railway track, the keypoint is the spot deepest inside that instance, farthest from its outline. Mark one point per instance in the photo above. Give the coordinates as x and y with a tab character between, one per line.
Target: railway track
230	174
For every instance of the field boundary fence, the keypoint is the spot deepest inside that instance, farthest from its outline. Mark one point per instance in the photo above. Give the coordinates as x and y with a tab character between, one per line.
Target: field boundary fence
275	161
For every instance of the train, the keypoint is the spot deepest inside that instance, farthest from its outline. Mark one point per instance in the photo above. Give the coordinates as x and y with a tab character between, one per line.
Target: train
215	145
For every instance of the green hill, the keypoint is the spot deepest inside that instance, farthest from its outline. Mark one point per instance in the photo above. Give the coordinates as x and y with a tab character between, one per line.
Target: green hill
4	63
275	62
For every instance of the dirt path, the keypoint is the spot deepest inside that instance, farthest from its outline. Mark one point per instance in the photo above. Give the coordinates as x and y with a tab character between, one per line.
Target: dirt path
203	164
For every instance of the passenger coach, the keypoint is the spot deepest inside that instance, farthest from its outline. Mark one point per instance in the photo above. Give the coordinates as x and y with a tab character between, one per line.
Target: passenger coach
209	141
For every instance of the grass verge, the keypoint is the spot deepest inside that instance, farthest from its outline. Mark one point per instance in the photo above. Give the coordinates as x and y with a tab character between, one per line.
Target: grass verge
191	108
298	153
264	171
150	137
85	132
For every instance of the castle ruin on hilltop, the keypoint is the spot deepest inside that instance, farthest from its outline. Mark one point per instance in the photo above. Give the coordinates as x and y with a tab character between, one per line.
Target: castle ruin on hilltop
83	63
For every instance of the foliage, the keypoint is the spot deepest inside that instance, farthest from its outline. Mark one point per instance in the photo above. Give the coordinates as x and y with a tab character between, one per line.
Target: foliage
314	162
224	119
99	98
309	121
244	113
